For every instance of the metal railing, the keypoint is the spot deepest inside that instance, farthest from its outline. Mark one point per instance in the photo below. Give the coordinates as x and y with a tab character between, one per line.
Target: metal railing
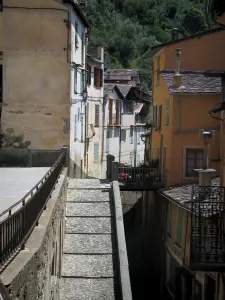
138	175
207	228
17	222
124	274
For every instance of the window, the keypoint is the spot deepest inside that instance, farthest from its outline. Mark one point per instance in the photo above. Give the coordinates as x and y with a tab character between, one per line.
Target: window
158	70
123	135
96	115
78	114
75	80
169	220
83	48
168	111
117	112
82	80
110	111
75	128
98	78
128	107
179	226
131	134
76	36
96	149
89	75
194	160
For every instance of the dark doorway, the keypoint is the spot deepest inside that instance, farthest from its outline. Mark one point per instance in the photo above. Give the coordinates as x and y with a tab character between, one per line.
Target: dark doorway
210	288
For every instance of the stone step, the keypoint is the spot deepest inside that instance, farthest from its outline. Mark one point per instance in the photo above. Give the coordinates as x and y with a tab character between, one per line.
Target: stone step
88	265
88	209
88	244
88	225
87	183
87	289
87	195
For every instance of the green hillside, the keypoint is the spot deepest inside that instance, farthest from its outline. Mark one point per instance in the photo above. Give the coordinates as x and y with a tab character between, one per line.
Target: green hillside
127	28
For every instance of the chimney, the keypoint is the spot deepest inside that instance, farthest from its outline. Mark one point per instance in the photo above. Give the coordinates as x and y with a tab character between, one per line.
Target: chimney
177	75
174	34
205	177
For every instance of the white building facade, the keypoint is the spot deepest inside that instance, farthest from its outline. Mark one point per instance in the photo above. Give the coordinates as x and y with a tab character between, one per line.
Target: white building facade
78	91
124	123
95	112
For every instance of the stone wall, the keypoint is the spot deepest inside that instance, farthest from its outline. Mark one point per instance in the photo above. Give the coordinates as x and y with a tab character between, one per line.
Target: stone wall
35	272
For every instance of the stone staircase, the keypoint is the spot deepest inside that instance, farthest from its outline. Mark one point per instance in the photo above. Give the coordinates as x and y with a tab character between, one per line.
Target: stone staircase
89	259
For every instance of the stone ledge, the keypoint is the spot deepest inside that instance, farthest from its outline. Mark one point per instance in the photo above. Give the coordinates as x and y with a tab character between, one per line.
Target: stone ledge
37	236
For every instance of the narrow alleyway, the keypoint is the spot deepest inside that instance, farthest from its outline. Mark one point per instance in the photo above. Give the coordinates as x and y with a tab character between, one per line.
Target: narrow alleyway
89	252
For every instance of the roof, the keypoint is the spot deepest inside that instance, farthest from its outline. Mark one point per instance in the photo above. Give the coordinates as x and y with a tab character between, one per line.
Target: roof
78	11
156	48
120	74
124	89
182	195
193	83
108	88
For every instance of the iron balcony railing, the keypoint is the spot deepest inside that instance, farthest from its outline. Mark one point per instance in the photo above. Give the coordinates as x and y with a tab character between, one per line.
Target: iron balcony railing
207	228
17	222
139	175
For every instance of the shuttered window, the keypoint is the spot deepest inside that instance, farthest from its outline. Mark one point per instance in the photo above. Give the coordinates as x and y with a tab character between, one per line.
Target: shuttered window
180	219
76	36
89	75
96	151
117	112
110	111
82	81
75	80
168	111
98	78
96	115
83	48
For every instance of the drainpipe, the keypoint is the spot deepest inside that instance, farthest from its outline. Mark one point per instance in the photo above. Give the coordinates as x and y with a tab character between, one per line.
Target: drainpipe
135	141
103	131
120	135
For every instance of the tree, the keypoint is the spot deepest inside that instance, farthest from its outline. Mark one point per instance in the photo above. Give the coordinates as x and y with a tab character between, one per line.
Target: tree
194	21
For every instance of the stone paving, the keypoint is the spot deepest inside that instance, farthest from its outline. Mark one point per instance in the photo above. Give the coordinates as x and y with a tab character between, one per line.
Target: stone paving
88	256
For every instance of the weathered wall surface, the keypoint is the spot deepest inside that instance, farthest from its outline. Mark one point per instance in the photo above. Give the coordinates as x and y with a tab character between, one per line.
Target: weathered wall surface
36	271
36	102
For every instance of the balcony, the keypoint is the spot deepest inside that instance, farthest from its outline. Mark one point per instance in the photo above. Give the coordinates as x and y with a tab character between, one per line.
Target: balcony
94	51
207	252
139	178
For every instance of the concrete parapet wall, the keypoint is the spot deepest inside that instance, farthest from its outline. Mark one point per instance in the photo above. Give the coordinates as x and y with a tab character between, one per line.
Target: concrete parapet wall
35	272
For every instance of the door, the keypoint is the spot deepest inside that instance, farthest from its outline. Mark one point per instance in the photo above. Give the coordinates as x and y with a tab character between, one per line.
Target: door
210	288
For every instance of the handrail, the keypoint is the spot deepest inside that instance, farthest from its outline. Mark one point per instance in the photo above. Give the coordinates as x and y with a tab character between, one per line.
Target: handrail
121	245
16	228
35	187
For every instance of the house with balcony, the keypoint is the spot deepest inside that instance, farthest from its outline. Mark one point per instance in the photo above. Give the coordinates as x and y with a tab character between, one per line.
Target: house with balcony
126	110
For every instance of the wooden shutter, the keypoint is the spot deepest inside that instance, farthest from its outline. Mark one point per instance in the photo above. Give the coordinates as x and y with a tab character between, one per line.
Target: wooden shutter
89	75
101	78
96	115
154	116
110	111
159	112
168	110
117	112
97	82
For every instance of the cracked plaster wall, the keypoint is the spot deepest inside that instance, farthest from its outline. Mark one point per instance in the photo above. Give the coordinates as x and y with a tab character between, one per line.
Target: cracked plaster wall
36	104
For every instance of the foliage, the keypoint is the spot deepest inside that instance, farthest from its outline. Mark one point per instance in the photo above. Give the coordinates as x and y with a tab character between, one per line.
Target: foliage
127	28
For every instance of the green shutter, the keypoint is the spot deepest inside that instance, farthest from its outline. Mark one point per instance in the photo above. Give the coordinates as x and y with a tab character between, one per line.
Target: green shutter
168	110
180	218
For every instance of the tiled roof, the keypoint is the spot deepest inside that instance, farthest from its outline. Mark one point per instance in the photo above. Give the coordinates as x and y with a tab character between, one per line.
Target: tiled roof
124	89
193	82
120	74
182	194
108	88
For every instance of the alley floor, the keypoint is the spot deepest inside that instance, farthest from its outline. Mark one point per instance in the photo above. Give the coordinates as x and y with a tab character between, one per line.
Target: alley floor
89	252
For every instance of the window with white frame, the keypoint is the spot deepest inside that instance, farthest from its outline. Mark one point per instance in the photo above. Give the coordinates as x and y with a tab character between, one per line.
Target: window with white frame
194	160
